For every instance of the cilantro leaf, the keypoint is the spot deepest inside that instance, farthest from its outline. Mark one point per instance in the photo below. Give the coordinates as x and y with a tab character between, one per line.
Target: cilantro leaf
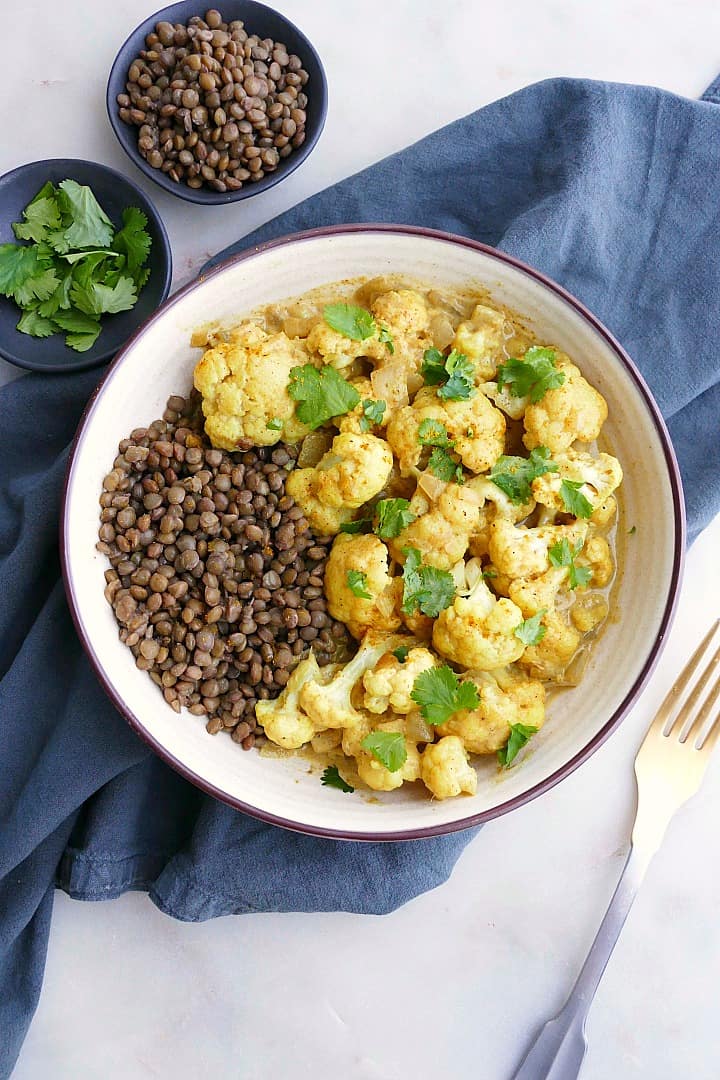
425	587
320	394
17	265
76	322
442	464
433	367
98	299
394	515
36	325
460	371
439	693
387	747
514	475
574	500
401	653
89	227
350	320
41	216
133	241
433	432
357	584
60	299
385	338
519	735
532	376
332	778
360	525
373	412
39	287
531	631
275	424
82	342
561	554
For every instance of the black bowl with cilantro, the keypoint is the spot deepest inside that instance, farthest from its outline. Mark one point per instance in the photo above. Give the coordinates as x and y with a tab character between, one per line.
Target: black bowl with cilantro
102	261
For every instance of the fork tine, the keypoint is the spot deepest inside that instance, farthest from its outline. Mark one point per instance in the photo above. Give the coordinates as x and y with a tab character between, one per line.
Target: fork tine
691	702
678	687
698	725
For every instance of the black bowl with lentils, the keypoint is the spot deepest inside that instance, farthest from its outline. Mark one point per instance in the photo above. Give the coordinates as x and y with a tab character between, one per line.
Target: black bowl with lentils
215	579
217	105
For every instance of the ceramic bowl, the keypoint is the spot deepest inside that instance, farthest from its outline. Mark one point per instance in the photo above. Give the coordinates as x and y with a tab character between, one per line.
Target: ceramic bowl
159	362
259	19
114	192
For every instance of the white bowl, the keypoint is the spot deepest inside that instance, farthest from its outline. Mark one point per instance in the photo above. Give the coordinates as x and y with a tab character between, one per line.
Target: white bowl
158	362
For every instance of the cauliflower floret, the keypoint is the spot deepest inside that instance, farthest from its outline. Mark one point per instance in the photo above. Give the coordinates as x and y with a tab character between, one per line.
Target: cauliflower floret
445	769
283	719
390	683
521	552
476	427
597	555
486	729
355	469
419	625
600	476
477	631
588	612
368	555
575	410
329	705
496	504
441	533
340	351
244	385
504	399
604	512
376	775
356	420
482	340
549	659
537	593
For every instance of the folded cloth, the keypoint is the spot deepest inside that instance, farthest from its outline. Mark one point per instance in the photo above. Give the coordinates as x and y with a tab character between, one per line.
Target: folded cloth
604	187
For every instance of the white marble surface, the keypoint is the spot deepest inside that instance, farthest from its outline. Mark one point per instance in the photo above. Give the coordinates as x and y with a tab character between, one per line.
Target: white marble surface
454	984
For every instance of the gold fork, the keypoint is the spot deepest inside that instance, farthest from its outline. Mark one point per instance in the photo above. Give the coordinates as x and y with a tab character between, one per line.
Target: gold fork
669	769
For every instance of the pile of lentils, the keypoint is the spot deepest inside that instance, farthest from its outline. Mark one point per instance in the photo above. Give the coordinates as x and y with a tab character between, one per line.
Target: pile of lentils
216	580
213	104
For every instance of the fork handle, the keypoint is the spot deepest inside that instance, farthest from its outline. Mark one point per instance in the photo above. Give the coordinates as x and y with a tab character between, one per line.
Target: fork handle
558	1051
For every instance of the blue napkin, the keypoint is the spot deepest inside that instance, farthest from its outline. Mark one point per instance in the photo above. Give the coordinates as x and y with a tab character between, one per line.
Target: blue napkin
605	187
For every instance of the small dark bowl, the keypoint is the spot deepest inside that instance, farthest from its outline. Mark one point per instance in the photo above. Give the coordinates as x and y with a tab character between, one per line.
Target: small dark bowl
114	192
259	19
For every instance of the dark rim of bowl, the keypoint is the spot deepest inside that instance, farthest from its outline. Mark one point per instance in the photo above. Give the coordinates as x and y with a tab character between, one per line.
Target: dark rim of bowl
85	364
204	196
614	720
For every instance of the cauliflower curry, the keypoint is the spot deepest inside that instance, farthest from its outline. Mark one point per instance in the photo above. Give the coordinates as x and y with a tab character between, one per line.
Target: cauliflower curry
453	458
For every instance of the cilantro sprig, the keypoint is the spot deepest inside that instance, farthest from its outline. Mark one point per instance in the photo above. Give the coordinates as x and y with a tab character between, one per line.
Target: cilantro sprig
441	463
394	515
520	734
453	374
373	412
357	583
573	499
387	747
439	693
531	631
357	324
360	525
425	587
532	376
331	778
562	554
75	267
320	395
514	475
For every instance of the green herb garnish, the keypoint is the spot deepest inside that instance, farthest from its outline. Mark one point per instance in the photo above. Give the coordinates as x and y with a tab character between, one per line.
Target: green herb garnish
387	747
519	735
573	499
373	412
386	339
425	587
357	324
360	525
331	778
532	376
401	653
453	374
433	432
320	394
561	554
631	532
275	424
514	475
439	693
531	631
76	267
394	515
357	584
442	464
